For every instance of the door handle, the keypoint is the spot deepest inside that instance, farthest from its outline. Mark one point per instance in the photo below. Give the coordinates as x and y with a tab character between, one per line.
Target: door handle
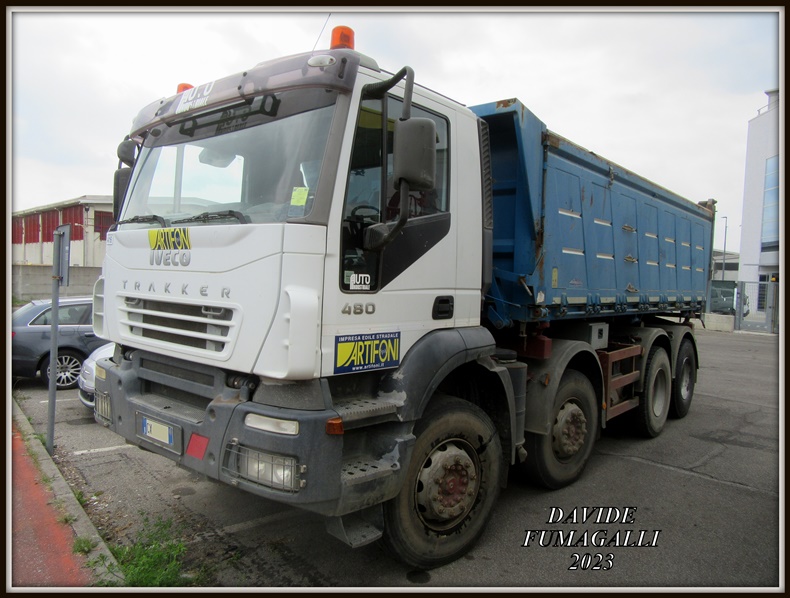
443	307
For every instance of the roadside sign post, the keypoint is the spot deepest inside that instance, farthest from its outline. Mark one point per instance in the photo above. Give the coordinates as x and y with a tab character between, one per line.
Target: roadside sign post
60	276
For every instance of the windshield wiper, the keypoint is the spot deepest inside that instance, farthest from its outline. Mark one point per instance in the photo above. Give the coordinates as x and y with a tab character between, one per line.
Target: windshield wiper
143	219
206	216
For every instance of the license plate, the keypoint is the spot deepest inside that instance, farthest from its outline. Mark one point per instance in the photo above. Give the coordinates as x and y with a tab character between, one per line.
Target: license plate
157	431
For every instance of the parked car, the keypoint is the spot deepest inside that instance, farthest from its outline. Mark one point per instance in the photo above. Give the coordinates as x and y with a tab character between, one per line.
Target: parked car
31	339
87	379
746	310
723	301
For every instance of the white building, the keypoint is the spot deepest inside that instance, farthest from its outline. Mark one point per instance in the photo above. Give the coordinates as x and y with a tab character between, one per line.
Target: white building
32	231
760	231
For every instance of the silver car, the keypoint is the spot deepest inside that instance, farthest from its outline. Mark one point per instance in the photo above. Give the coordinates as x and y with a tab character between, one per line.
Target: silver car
87	379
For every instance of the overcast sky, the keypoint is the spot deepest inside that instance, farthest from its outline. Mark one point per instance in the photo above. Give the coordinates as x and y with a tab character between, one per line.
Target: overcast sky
668	95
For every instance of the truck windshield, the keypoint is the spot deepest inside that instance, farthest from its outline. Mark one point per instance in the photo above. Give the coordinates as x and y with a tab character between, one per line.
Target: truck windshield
253	162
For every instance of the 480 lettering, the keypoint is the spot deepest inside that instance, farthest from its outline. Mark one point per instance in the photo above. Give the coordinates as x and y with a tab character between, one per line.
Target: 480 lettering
359	309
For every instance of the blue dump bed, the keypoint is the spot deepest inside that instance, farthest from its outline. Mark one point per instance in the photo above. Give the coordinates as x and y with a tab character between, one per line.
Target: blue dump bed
575	235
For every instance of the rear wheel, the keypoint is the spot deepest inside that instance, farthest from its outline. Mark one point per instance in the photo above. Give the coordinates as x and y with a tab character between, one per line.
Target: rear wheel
558	458
651	414
685	379
67	371
451	486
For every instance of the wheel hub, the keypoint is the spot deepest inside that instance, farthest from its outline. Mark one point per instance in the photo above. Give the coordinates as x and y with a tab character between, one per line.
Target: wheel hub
570	430
449	483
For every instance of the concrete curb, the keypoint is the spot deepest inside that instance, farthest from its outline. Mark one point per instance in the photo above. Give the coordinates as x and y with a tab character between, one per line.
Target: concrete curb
105	567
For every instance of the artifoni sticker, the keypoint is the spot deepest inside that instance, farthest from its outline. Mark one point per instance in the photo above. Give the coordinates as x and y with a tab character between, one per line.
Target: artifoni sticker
360	352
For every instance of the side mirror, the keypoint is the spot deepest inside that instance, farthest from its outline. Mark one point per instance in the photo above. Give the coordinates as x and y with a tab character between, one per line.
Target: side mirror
126	151
414	169
120	183
414	153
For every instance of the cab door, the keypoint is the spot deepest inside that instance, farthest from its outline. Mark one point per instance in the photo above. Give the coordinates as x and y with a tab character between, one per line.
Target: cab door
377	304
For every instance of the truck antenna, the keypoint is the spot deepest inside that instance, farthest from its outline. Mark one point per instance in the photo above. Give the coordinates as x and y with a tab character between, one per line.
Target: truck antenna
322	31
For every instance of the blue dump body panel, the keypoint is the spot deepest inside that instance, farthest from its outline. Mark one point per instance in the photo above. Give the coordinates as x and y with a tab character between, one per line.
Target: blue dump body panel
578	236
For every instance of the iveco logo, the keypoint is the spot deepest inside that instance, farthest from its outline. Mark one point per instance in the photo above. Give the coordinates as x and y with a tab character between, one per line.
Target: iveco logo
170	258
170	247
184	289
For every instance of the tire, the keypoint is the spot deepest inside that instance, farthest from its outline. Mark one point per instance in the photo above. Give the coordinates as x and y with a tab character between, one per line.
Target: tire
452	483
653	409
68	370
685	380
557	459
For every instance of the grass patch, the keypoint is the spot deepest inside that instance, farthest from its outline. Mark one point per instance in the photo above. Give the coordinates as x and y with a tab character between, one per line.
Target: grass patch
83	545
154	559
67	518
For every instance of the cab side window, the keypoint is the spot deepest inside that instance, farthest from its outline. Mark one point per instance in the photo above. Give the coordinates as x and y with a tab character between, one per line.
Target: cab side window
371	196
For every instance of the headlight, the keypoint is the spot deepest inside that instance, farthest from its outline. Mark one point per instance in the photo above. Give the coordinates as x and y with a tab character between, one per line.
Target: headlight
101	372
274	471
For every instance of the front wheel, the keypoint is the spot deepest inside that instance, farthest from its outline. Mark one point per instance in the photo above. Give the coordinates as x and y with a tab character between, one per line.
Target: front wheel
451	486
558	458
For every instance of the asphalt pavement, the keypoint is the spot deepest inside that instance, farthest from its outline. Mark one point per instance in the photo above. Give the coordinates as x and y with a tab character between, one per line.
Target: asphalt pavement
719	470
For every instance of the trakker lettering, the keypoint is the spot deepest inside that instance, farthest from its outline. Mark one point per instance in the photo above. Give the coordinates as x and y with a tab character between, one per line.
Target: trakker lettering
360	352
169	288
169	247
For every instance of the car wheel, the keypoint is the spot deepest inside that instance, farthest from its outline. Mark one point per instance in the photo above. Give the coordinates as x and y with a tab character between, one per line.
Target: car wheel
68	369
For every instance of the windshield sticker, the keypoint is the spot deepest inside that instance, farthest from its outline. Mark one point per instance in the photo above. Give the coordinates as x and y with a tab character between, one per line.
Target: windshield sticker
360	352
196	97
231	120
298	201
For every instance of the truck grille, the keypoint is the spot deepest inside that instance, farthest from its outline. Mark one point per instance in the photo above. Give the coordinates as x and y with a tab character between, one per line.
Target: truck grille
205	327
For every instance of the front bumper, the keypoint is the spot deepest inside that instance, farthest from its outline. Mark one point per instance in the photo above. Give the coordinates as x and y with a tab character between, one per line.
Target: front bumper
191	415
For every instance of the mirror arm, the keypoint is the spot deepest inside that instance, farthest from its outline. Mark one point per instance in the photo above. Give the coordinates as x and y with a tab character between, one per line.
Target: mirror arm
379	235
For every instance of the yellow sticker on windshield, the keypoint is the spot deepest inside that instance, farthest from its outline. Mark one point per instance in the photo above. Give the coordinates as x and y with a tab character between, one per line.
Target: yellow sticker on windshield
299	196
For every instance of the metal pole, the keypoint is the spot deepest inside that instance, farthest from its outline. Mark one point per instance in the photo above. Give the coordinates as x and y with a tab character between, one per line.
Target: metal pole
724	253
53	351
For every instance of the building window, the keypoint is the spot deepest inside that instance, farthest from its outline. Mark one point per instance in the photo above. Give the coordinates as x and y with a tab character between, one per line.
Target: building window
49	222
17	231
770	232
102	221
32	228
74	215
